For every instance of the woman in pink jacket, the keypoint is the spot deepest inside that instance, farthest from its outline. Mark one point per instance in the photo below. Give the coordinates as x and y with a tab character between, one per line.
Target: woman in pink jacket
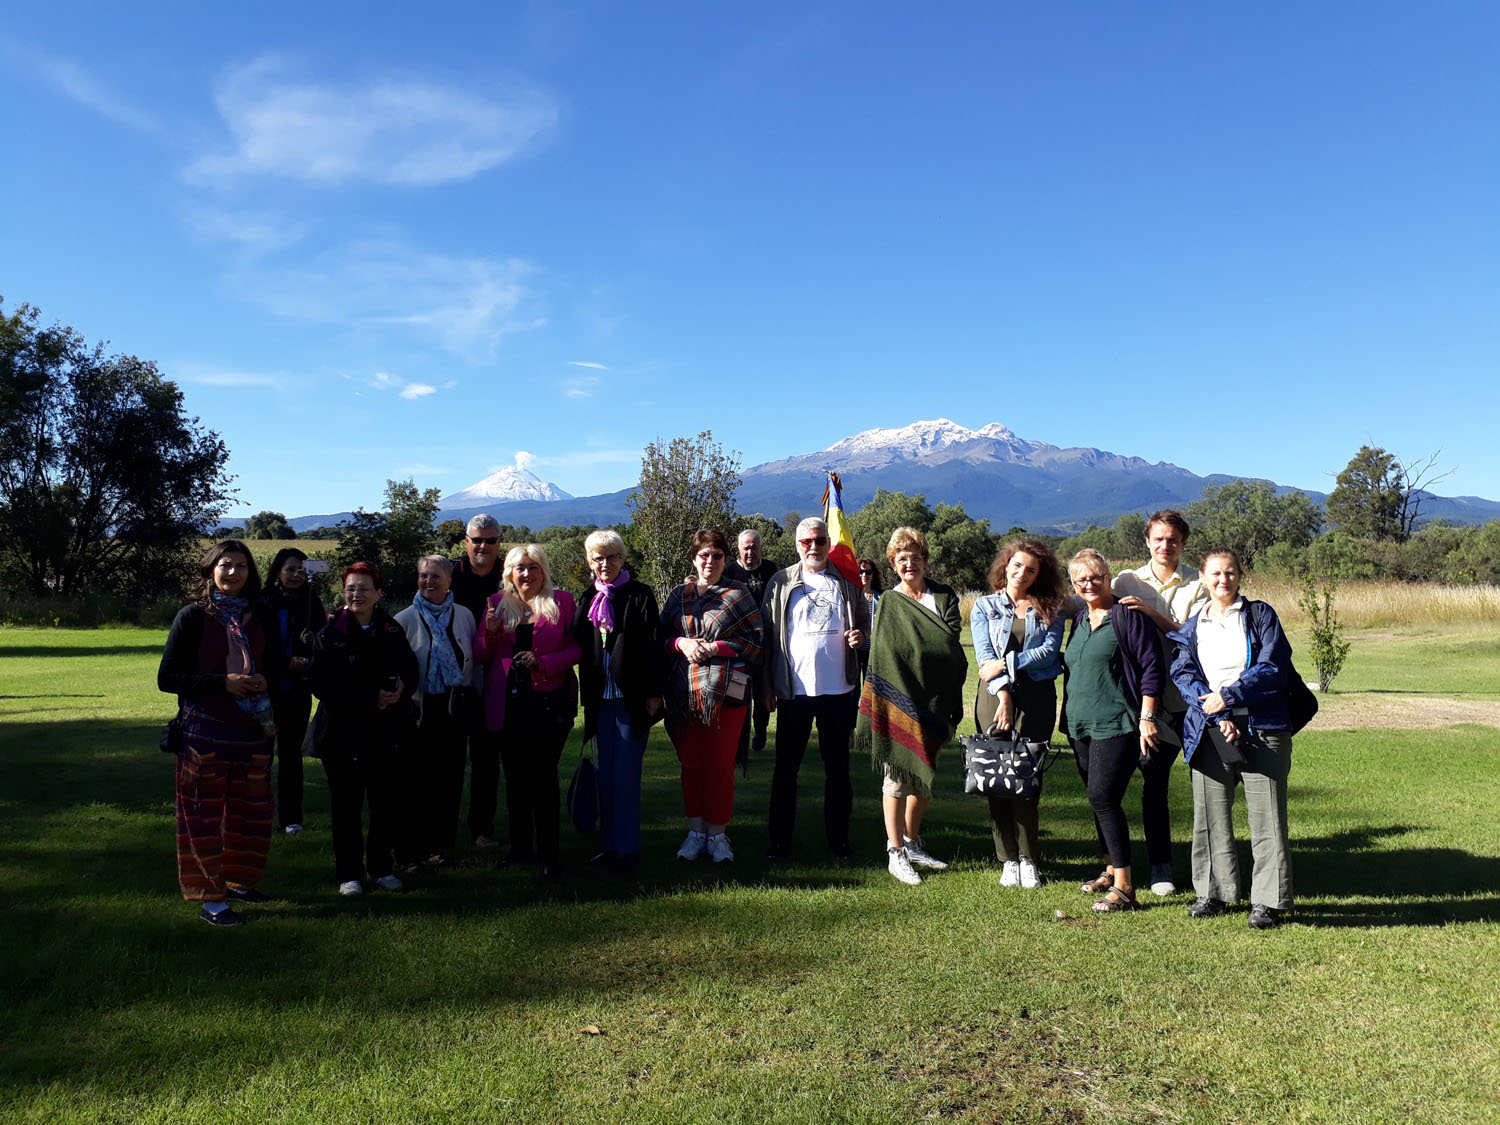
530	697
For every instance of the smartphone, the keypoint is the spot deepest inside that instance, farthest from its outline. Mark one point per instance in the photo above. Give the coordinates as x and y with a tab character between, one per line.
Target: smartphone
390	683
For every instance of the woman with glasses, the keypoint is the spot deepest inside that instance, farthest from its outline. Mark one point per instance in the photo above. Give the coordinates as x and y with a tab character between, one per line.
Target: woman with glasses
292	616
441	635
1114	677
363	674
1017	634
212	662
530	699
711	632
621	684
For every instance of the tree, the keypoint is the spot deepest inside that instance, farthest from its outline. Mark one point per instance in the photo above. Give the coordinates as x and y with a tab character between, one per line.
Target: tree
268	525
392	539
105	483
962	549
1379	497
685	484
1329	648
1248	516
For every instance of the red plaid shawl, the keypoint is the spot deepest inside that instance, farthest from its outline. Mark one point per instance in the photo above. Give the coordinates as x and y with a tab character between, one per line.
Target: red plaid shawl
726	612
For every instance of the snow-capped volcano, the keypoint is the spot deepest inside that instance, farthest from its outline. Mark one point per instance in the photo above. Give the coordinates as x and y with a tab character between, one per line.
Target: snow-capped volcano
922	438
505	485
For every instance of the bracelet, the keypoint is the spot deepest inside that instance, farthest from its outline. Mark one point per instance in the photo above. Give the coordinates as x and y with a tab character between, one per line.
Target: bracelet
1148	716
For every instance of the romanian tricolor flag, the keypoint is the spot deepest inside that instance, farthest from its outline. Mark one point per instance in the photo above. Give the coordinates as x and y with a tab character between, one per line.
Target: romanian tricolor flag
840	540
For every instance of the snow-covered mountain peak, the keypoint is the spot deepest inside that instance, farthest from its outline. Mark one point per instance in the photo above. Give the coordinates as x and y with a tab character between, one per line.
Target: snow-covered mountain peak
918	437
507	484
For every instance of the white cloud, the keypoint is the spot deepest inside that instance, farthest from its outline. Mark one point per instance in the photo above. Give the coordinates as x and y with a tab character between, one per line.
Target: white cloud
524	459
238	379
421	470
417	390
258	232
583	386
466	304
70	79
395	131
587	363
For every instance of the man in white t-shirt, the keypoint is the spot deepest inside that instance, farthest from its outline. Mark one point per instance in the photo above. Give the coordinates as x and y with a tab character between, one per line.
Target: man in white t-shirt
1168	593
815	621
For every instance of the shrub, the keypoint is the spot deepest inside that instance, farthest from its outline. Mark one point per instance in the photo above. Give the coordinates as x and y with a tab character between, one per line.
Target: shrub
1328	645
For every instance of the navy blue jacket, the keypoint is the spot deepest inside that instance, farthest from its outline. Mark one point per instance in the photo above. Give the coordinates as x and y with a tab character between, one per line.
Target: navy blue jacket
1261	687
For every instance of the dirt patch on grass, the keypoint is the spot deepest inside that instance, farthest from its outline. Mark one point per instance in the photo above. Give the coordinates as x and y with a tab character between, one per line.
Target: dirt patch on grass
1360	710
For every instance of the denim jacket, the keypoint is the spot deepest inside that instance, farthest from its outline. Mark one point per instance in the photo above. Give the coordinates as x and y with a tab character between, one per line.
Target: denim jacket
1260	689
1041	652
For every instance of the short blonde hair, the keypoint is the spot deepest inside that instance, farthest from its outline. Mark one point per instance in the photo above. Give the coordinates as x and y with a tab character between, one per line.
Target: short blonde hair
906	539
512	605
606	541
1092	559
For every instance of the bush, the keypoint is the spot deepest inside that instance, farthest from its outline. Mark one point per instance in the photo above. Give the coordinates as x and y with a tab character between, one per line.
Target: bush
1328	645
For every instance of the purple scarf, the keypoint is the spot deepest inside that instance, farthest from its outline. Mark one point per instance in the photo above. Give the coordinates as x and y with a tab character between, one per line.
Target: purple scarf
601	609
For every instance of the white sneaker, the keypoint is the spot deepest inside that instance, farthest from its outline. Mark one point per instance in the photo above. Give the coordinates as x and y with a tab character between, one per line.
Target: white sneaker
293	829
1031	878
693	847
917	853
1010	874
718	848
899	865
389	883
352	887
1162	883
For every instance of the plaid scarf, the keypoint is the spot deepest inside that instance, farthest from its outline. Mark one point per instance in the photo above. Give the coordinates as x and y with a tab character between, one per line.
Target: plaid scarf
915	684
228	610
727	613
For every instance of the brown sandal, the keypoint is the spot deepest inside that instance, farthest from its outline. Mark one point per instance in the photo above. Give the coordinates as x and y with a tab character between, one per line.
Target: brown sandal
1099	885
1116	899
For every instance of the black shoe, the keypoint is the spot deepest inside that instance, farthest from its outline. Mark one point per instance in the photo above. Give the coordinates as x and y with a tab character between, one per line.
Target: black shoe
225	917
758	743
247	894
1207	908
778	853
1264	917
841	851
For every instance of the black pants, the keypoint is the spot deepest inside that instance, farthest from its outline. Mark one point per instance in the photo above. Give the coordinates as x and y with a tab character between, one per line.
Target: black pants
1156	773
531	745
1014	822
433	782
291	709
834	716
350	782
484	777
760	718
1106	765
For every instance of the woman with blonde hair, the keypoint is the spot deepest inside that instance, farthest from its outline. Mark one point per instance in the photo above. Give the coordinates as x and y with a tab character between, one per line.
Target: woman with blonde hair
912	699
530	697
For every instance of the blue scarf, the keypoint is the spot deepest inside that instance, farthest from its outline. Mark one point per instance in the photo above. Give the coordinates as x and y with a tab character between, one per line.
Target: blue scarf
443	669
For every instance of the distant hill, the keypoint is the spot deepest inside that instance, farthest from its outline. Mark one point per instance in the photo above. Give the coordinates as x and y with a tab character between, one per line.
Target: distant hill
996	475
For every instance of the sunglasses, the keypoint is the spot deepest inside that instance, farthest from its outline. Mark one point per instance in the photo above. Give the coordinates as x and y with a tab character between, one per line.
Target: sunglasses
484	540
865	570
817	541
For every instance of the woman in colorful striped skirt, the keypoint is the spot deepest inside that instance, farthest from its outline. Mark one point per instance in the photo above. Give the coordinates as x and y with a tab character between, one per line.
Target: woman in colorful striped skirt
212	662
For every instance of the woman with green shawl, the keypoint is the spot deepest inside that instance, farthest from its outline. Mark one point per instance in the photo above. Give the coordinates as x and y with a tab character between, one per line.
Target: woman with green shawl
913	697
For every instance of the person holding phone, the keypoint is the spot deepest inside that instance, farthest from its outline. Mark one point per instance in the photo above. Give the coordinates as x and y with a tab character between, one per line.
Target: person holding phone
364	674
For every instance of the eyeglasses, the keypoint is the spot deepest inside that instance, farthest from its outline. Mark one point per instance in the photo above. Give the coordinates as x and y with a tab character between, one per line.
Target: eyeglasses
816	541
709	556
484	540
1090	579
866	570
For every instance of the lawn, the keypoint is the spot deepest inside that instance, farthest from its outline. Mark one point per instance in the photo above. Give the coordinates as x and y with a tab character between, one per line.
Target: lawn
811	992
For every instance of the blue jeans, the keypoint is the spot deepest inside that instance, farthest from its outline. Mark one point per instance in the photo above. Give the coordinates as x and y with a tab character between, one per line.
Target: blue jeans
621	752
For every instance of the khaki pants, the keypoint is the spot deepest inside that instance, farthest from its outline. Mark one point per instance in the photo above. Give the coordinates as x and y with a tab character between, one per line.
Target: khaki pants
1216	865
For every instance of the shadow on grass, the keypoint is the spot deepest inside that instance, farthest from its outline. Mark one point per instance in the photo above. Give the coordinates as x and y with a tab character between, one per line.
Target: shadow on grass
48	652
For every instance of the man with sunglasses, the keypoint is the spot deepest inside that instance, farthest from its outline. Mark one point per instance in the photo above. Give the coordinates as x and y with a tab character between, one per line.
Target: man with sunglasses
755	572
476	576
815	622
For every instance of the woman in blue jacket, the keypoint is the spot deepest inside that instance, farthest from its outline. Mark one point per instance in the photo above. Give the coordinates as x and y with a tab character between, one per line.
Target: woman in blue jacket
1231	664
1017	634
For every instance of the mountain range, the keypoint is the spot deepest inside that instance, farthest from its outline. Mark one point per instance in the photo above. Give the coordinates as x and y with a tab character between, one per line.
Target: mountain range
995	475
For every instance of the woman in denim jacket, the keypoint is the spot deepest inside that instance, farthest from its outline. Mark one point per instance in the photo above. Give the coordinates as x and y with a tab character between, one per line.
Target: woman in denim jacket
1017	634
1231	664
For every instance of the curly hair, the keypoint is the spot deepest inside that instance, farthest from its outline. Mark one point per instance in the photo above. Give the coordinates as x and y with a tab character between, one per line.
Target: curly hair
1046	589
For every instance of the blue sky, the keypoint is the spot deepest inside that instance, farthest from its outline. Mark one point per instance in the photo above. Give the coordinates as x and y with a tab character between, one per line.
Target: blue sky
377	241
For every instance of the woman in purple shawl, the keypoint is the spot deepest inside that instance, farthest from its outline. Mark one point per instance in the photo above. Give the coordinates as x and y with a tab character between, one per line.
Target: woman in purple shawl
620	678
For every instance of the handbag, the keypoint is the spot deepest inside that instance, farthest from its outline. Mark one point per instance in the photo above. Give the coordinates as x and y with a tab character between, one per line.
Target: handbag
583	791
1301	703
1003	764
171	737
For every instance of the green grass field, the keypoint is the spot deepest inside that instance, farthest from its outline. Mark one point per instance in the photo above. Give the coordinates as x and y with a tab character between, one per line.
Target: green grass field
812	992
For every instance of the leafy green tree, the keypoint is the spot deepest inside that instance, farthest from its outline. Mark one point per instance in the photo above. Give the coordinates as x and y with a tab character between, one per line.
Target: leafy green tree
1340	556
685	484
1368	496
887	510
1477	558
268	525
1329	648
106	484
450	536
962	549
776	543
1249	516
393	539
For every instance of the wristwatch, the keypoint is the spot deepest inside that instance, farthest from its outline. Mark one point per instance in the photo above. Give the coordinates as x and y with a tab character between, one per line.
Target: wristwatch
1148	716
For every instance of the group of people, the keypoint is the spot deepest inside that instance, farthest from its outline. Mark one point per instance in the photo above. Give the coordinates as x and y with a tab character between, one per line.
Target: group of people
486	669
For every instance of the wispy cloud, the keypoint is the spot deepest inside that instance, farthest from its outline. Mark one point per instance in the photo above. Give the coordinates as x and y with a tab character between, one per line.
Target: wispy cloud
582	386
587	363
466	304
258	232
385	381
421	470
72	80
417	390
238	379
590	457
395	131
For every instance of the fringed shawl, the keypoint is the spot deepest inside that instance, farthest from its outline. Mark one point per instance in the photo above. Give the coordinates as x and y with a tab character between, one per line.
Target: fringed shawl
726	612
914	689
